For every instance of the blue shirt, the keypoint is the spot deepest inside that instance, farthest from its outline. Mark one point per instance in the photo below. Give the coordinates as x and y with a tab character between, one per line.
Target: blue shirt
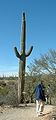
39	93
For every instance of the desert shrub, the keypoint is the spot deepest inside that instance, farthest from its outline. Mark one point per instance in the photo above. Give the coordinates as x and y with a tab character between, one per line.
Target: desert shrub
4	91
12	97
2	83
8	93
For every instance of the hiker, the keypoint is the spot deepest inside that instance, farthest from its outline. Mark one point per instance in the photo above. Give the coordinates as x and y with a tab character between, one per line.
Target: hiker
47	97
48	94
40	98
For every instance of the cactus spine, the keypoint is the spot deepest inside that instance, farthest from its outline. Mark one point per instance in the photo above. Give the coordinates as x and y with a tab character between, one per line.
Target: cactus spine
22	59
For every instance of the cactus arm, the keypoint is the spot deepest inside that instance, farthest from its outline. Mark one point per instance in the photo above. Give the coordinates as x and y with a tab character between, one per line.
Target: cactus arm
29	52
17	53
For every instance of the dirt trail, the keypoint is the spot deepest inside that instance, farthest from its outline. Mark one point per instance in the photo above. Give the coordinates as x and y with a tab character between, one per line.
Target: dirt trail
24	113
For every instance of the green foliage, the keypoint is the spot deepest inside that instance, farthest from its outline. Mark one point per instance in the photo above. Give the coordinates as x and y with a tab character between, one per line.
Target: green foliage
12	97
8	93
4	91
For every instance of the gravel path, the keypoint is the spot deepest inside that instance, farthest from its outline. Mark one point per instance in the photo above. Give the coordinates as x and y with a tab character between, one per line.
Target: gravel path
24	113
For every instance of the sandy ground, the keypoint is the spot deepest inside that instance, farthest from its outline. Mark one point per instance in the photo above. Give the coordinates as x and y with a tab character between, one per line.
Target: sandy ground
24	112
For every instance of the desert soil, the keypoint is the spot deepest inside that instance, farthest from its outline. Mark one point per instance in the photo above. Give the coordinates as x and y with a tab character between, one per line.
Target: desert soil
25	112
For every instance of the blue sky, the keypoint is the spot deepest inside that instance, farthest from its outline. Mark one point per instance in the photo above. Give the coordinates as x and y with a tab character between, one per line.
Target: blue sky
40	30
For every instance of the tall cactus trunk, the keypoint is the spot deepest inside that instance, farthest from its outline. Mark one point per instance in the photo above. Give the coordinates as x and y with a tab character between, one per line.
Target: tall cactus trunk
22	60
22	53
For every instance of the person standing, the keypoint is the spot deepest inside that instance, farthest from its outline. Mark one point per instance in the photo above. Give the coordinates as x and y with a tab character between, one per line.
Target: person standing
40	98
48	93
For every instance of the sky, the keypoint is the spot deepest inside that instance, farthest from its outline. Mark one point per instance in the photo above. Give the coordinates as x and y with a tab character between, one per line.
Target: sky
40	31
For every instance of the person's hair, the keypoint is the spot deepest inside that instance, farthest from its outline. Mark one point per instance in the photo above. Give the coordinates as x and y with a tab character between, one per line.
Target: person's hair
41	81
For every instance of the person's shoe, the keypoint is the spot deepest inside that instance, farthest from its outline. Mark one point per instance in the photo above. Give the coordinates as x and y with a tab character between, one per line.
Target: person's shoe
40	114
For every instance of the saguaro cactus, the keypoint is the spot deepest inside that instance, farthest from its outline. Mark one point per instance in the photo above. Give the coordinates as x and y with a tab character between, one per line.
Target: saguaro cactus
22	59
